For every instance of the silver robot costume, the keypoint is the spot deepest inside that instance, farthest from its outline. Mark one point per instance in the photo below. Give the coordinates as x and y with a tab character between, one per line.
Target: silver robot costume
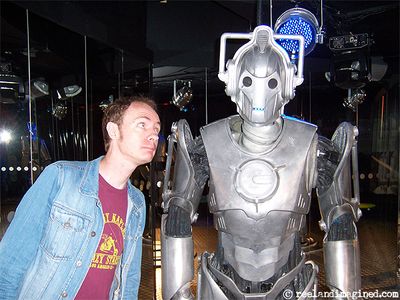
261	167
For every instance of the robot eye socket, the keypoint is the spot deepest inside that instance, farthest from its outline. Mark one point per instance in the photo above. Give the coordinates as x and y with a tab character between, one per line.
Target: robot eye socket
247	81
272	83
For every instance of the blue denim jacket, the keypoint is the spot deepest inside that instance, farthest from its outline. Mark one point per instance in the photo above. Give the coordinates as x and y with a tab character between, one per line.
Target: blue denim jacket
48	247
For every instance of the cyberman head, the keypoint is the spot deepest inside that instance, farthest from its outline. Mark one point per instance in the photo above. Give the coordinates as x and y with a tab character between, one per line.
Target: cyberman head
260	78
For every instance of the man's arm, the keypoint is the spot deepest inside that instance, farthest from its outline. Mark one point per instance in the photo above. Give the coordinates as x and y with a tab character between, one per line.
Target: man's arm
20	243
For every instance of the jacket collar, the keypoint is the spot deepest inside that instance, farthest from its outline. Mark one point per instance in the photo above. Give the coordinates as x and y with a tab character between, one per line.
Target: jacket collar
90	182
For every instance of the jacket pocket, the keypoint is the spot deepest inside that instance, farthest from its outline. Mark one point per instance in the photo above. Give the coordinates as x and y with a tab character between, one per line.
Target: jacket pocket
64	233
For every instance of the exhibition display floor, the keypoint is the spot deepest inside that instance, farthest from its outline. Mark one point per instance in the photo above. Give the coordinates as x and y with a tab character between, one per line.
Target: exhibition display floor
377	234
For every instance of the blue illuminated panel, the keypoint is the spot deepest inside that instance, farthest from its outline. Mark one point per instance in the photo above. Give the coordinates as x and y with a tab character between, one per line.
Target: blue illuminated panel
297	26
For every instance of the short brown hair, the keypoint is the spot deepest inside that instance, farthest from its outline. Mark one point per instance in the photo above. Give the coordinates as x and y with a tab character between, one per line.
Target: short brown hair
115	112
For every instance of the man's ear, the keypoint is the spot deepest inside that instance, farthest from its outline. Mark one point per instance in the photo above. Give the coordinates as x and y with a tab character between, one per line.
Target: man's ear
112	130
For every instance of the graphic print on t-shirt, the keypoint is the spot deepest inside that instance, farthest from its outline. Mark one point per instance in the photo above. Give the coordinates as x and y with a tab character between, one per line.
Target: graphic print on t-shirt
111	244
99	278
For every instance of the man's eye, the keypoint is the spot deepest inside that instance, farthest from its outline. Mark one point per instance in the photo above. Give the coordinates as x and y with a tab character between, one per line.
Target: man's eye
141	125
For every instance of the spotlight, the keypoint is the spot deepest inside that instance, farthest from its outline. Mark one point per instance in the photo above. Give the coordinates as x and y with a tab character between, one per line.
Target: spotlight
105	103
298	21
352	67
68	92
5	136
354	98
11	86
183	96
349	42
39	88
59	110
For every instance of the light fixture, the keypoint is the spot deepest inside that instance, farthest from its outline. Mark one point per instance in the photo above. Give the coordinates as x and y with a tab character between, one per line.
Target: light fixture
183	96
5	136
354	98
298	21
11	88
39	88
59	110
105	103
350	64
68	92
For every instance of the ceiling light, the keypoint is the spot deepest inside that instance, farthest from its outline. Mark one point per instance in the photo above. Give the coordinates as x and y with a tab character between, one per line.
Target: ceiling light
39	88
5	136
183	96
11	88
59	110
68	92
297	21
105	103
355	97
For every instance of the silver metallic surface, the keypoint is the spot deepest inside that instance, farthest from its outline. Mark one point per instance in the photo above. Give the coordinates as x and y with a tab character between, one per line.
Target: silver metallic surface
176	259
260	78
184	192
338	200
312	285
256	215
261	168
342	266
208	289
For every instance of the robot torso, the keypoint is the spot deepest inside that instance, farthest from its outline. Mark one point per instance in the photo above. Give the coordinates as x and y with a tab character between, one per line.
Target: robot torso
259	200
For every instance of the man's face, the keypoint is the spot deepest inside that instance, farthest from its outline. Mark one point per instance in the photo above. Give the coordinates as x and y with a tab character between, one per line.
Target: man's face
139	133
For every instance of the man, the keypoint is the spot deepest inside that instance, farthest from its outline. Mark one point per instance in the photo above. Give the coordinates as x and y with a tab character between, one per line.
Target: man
77	231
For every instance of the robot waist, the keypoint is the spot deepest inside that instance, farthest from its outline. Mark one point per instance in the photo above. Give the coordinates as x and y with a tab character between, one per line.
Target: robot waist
272	293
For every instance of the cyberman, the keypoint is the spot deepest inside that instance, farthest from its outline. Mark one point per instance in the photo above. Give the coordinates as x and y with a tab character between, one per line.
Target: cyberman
261	167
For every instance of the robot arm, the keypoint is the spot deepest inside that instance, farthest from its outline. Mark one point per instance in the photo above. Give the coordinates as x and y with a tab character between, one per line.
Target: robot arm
339	209
180	202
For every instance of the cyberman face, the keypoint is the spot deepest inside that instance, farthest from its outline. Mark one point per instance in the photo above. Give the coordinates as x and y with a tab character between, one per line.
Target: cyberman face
259	97
260	78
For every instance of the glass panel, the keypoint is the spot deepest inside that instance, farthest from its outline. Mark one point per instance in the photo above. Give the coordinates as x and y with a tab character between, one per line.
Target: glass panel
58	97
14	116
42	100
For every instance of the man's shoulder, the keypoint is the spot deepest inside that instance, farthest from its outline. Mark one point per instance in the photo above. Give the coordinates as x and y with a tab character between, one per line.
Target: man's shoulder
71	166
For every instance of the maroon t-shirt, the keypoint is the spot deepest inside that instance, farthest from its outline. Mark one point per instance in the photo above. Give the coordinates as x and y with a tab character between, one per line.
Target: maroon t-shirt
98	280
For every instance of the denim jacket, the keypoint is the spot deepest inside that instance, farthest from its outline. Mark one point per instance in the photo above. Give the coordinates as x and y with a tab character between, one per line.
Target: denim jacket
48	248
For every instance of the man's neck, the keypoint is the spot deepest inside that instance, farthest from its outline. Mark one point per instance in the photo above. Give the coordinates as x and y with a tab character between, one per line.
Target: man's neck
115	171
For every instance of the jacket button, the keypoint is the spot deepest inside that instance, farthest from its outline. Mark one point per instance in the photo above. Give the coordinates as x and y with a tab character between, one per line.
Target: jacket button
79	263
93	233
67	225
64	294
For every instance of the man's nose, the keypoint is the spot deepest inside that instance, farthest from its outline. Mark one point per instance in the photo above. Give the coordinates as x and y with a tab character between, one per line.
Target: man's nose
153	137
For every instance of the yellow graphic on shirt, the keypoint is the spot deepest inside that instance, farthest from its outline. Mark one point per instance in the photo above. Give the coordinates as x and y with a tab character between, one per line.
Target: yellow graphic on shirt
110	248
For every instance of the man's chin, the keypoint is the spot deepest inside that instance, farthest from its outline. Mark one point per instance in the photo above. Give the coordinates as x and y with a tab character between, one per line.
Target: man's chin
147	159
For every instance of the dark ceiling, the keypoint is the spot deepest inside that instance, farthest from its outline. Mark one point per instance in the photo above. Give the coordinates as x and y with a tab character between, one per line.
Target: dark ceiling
180	39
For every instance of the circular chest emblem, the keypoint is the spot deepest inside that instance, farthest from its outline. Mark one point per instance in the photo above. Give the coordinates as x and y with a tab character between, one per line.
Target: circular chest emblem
256	180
